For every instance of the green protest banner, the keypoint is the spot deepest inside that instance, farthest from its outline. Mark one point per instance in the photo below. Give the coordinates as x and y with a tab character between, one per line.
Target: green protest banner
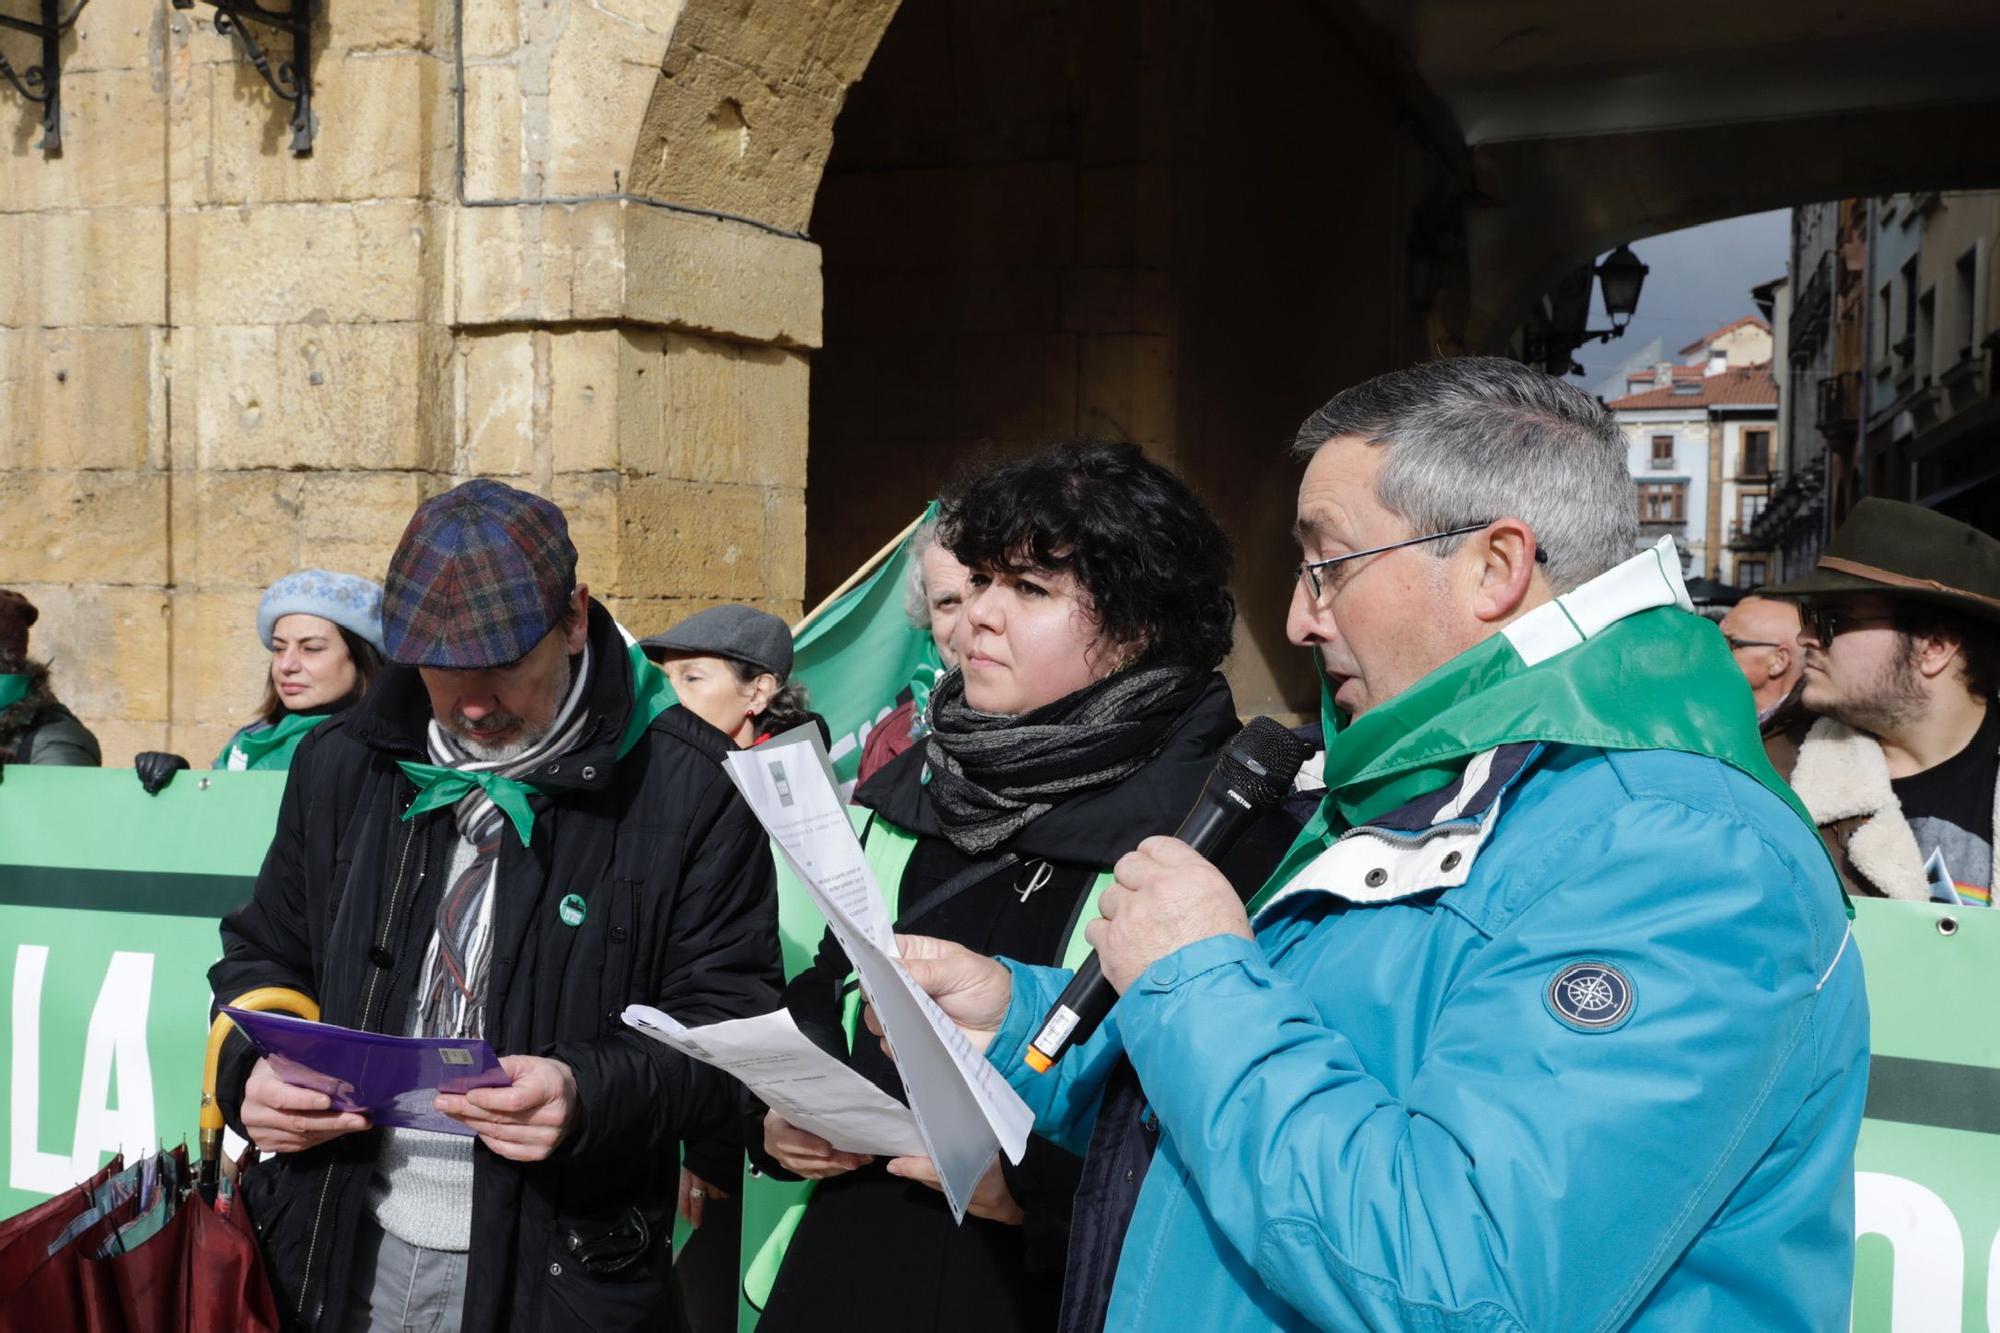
109	900
857	652
1927	1169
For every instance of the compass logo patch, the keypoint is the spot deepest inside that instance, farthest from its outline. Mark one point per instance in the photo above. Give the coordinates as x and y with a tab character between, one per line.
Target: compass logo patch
1590	997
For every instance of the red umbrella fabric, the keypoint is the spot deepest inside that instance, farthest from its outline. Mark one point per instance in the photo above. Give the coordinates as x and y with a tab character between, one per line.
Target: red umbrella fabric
95	1260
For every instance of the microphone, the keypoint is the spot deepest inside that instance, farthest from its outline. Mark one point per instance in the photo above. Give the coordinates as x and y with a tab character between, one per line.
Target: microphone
1254	773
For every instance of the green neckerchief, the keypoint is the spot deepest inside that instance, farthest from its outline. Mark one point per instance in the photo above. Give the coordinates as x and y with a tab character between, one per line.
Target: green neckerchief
1647	675
438	786
13	689
271	747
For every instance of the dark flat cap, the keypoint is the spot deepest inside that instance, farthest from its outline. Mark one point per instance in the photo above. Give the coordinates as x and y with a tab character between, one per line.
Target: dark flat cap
742	632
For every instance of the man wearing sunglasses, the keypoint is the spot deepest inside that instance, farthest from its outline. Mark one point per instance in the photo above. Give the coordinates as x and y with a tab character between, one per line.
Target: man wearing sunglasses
1763	638
1902	645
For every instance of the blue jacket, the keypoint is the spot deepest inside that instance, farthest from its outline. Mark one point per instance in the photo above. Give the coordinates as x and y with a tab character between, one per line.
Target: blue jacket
1578	1043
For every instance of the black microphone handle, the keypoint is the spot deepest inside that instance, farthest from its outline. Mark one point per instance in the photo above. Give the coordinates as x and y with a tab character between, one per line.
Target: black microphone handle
1209	829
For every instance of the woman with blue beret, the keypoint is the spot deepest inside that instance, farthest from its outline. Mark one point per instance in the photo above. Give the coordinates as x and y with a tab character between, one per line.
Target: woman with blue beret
324	631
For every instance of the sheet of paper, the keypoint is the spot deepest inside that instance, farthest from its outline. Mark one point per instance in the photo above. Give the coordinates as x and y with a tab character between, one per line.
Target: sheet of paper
790	787
810	1088
964	1109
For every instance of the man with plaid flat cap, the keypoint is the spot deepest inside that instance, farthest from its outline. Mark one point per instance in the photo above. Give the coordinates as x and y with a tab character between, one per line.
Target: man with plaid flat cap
505	839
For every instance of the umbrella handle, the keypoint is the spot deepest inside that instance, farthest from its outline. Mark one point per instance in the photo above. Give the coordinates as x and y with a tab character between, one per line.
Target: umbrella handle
210	1124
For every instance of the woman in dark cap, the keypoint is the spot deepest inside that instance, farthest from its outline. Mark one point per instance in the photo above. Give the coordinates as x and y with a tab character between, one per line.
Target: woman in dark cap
731	666
34	727
1085	715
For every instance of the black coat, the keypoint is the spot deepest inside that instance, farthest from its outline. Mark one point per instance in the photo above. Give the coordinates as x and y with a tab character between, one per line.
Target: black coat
879	1252
680	914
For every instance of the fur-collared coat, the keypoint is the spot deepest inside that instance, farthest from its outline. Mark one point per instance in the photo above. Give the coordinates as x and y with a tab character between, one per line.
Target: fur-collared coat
1844	782
36	729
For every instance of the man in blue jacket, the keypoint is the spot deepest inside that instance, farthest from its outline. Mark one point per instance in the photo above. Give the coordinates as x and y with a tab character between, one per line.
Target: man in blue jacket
1551	1020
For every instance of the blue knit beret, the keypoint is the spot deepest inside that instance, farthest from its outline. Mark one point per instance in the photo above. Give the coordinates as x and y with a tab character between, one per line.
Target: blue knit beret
350	602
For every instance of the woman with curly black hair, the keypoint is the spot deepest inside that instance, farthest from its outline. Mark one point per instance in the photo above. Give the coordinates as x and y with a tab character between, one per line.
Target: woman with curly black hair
1085	715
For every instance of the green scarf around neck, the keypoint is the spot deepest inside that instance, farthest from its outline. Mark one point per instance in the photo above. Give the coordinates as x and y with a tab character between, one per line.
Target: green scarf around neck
268	748
438	786
14	687
1620	664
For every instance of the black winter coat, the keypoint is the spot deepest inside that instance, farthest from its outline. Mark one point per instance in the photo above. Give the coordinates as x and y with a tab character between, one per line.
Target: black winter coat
680	914
876	1251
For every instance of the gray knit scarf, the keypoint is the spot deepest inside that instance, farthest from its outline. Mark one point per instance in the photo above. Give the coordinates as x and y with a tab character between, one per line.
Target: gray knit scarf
994	773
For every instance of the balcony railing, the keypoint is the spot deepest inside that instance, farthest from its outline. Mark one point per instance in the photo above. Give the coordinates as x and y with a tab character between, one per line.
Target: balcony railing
1839	402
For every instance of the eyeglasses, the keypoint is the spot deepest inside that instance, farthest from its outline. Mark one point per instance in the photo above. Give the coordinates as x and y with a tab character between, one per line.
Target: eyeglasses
1308	573
1824	622
1737	645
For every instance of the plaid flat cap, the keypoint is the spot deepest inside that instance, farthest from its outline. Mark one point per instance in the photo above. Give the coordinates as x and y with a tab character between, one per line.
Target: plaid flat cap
482	573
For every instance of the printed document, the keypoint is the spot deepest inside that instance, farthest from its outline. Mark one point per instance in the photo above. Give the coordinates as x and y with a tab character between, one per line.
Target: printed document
821	1095
963	1107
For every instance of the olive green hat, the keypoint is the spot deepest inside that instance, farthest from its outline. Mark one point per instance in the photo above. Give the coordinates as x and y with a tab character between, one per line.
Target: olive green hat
1907	552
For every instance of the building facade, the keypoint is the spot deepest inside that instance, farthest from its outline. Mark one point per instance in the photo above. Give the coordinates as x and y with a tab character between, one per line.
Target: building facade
1700	438
1932	422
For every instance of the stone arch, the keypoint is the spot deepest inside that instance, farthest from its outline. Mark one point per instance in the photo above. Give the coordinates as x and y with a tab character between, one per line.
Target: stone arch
740	120
633	295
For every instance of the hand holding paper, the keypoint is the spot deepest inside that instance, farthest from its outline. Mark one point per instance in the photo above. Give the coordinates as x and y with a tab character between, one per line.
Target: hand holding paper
796	1079
525	1121
973	990
964	1110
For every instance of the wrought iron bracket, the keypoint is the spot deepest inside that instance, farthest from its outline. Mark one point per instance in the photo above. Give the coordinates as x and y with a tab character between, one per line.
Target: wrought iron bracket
290	80
42	84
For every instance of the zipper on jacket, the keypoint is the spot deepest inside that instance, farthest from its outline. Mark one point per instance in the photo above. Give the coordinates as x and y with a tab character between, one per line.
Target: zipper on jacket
367	998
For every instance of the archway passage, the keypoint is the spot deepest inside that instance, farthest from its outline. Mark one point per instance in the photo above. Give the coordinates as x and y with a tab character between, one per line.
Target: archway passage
1108	219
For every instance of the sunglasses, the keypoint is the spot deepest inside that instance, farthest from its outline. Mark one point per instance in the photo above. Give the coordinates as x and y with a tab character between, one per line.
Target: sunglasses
1826	622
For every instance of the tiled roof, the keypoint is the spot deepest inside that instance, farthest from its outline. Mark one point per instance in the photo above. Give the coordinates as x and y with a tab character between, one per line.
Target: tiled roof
1703	343
1745	386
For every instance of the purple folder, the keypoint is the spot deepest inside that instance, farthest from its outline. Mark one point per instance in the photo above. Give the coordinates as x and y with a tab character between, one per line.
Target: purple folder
391	1080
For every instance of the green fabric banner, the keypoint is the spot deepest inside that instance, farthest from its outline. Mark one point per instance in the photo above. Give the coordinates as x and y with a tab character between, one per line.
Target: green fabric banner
857	655
109	900
1927	1171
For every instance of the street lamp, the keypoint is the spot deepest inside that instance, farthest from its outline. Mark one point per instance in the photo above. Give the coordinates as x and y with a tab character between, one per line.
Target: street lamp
1621	275
1545	343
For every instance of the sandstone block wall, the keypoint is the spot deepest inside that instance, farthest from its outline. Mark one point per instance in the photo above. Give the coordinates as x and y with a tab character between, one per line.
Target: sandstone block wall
220	362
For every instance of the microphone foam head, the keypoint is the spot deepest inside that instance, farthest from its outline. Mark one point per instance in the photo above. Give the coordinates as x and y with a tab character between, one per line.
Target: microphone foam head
1262	761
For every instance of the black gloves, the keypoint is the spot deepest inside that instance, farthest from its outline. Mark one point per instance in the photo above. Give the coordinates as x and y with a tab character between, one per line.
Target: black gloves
156	769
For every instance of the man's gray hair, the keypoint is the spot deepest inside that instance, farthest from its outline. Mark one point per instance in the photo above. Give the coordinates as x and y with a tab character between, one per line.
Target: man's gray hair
1475	438
916	597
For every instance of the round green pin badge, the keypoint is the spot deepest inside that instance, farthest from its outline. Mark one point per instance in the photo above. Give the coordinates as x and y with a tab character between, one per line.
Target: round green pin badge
571	909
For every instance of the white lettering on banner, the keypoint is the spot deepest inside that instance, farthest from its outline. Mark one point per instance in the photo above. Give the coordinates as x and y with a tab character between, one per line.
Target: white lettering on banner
1927	1292
117	1036
116	1039
28	1167
1993	1286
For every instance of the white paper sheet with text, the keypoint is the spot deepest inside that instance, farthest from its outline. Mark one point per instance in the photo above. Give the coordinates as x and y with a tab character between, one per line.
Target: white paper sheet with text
821	1095
964	1109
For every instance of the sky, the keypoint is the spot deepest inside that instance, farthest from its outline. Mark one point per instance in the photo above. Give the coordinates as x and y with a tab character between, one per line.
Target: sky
1700	280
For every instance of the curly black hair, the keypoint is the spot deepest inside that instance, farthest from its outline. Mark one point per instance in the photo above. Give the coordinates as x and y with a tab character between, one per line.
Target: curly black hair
1153	562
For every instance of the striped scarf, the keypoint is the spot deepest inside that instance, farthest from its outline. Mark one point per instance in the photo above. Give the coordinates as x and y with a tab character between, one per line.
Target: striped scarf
452	992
